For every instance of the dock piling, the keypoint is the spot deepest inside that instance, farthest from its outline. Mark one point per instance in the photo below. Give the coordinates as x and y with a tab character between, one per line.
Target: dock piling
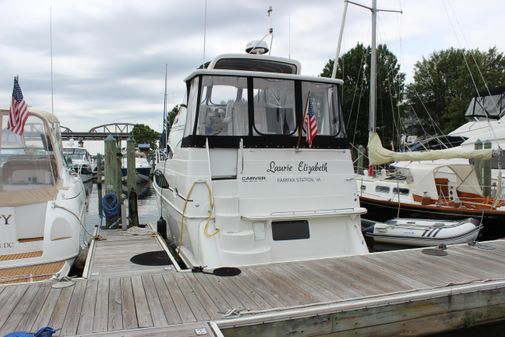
99	180
486	172
477	163
112	172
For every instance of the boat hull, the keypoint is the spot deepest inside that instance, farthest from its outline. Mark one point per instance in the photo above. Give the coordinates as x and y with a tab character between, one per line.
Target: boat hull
383	210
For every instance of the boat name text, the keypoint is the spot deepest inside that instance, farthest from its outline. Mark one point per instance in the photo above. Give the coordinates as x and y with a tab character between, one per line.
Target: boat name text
6	245
5	218
302	167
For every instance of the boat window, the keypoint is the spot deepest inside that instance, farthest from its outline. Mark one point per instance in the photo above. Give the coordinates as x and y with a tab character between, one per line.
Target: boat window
223	107
403	191
326	107
382	189
363	187
192	104
290	230
274	107
27	161
75	153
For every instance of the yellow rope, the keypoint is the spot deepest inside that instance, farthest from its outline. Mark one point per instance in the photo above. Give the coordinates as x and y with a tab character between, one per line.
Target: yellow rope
209	215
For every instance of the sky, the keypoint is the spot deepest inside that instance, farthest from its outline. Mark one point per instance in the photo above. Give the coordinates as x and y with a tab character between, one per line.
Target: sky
109	56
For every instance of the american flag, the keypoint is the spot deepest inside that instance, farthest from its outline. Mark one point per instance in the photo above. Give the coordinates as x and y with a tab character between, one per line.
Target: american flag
310	123
19	110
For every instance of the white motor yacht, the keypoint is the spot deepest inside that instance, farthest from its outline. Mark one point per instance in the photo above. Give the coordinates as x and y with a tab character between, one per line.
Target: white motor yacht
42	202
80	160
241	184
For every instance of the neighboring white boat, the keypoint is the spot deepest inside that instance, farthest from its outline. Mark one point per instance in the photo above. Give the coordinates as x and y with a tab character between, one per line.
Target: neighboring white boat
142	172
423	232
241	186
81	161
42	202
486	122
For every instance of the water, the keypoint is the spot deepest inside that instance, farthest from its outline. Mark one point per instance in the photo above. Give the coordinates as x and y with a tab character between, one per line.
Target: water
149	214
147	208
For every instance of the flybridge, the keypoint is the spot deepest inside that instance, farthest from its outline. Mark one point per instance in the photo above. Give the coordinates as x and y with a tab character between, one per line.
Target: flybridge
488	104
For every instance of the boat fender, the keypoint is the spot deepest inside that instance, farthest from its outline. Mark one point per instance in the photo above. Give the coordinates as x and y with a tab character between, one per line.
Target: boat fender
161	226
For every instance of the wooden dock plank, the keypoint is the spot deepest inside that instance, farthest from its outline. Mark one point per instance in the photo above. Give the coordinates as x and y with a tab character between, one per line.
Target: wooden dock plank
88	308
258	286
141	306
58	315
71	321
153	299
240	283
346	287
308	282
301	291
359	278
224	299
101	317
191	297
397	272
26	323
115	321
12	295
384	278
172	301
128	304
19	310
44	314
206	301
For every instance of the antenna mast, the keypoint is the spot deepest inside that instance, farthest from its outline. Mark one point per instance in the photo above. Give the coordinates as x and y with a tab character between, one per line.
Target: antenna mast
204	30
271	30
165	122
51	52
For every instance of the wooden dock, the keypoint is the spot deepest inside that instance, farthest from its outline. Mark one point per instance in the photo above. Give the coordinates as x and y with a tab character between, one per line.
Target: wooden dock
110	256
398	293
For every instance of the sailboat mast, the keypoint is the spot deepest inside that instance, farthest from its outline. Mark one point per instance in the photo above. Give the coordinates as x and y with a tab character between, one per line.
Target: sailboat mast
373	71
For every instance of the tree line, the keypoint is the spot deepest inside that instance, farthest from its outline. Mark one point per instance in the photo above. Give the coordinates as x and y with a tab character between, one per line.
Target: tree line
434	102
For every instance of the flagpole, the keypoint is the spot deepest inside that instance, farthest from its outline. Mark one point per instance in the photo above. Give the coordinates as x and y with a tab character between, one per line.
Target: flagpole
301	124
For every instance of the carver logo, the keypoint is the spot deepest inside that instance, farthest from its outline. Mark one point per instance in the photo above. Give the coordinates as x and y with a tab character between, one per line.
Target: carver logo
253	179
5	218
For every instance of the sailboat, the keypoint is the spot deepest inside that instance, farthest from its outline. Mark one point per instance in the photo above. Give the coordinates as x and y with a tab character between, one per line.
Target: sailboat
438	191
242	185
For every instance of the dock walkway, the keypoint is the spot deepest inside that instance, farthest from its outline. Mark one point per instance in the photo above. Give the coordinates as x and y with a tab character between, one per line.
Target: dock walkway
111	256
382	294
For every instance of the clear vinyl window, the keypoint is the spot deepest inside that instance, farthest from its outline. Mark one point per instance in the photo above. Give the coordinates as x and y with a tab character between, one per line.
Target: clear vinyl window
274	107
27	161
326	106
223	108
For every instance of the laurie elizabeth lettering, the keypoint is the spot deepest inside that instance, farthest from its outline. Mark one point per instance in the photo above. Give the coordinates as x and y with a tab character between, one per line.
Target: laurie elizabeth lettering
302	167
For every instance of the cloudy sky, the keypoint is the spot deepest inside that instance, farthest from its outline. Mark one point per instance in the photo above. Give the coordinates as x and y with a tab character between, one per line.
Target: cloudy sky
109	56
